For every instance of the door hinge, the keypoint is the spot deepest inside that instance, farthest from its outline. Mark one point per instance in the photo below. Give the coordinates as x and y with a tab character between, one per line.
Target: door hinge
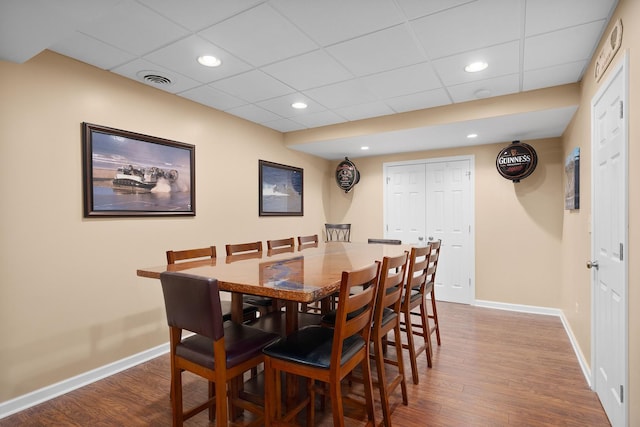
621	252
621	110
388	180
621	393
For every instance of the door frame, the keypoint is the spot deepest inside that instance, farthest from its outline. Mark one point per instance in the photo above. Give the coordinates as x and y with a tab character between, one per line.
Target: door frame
622	69
472	206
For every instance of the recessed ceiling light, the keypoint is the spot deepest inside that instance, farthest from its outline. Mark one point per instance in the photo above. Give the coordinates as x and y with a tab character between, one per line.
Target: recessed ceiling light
474	67
482	93
364	148
472	135
299	105
209	61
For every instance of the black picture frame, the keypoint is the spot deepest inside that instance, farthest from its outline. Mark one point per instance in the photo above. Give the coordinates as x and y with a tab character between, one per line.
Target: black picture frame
280	189
131	174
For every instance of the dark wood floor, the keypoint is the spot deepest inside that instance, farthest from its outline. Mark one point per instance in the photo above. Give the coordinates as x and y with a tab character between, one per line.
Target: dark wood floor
494	368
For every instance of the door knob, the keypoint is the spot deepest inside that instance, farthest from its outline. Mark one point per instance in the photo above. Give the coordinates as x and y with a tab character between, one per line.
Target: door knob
592	264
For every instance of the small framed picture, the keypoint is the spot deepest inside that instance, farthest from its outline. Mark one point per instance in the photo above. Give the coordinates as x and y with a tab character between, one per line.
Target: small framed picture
129	174
280	189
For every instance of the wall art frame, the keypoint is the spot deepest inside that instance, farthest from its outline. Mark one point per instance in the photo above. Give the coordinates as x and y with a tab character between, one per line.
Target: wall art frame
131	174
280	189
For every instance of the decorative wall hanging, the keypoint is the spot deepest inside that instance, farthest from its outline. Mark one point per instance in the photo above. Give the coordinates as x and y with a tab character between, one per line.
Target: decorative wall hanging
609	50
347	175
572	188
280	189
516	161
129	174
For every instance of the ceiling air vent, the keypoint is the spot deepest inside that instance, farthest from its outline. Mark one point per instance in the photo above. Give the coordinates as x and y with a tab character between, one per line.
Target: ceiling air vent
154	78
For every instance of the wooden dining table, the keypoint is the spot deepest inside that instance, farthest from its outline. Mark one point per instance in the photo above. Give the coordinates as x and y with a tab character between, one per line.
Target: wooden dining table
293	276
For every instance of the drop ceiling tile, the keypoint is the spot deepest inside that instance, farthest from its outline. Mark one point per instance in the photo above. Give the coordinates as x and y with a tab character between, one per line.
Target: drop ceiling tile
469	27
252	86
553	76
259	36
323	118
284	125
92	51
419	101
331	21
309	70
137	69
381	51
550	15
403	81
213	98
182	57
282	105
418	8
341	94
198	14
364	111
560	47
254	113
134	28
502	59
496	86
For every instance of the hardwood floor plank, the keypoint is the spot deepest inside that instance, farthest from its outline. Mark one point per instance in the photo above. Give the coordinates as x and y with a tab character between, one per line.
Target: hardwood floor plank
495	368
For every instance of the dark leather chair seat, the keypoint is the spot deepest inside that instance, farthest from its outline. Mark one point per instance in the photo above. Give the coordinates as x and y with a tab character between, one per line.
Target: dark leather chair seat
311	346
241	344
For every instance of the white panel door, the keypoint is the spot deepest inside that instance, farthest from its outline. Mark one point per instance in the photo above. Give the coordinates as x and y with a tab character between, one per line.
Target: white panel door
609	248
449	219
405	188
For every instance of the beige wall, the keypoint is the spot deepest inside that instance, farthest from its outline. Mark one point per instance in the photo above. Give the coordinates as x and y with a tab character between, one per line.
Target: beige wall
531	210
576	249
69	297
70	300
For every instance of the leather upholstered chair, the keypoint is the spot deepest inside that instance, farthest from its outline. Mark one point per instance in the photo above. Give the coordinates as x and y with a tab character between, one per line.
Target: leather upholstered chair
218	351
431	286
414	299
386	318
264	304
325	354
249	312
338	232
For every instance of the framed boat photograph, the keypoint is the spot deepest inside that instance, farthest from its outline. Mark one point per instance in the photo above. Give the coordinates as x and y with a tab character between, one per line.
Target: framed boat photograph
280	189
130	174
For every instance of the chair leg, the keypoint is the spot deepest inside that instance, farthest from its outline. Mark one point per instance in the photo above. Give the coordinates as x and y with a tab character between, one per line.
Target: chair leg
434	316
378	348
398	345
411	347
311	407
336	403
426	333
212	408
368	391
270	393
176	397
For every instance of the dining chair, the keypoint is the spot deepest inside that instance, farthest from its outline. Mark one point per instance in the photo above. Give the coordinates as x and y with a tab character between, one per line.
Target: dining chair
326	354
414	299
264	304
217	351
431	286
249	312
289	242
338	232
307	241
386	318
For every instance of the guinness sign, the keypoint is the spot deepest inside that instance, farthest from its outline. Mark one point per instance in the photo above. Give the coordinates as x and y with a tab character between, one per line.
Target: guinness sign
347	176
516	161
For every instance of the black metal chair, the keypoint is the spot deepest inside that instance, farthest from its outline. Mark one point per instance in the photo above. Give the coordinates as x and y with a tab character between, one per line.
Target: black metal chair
338	232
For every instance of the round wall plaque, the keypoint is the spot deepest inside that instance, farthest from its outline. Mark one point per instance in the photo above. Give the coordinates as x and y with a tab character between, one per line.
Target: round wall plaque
347	176
516	161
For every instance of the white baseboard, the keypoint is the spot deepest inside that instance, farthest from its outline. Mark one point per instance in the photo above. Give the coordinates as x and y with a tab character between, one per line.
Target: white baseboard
46	393
549	312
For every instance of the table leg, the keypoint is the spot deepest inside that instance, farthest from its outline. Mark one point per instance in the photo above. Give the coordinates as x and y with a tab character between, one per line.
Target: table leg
237	384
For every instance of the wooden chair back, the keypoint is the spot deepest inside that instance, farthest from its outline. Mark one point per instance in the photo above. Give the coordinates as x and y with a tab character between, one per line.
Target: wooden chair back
289	242
307	240
241	248
191	254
